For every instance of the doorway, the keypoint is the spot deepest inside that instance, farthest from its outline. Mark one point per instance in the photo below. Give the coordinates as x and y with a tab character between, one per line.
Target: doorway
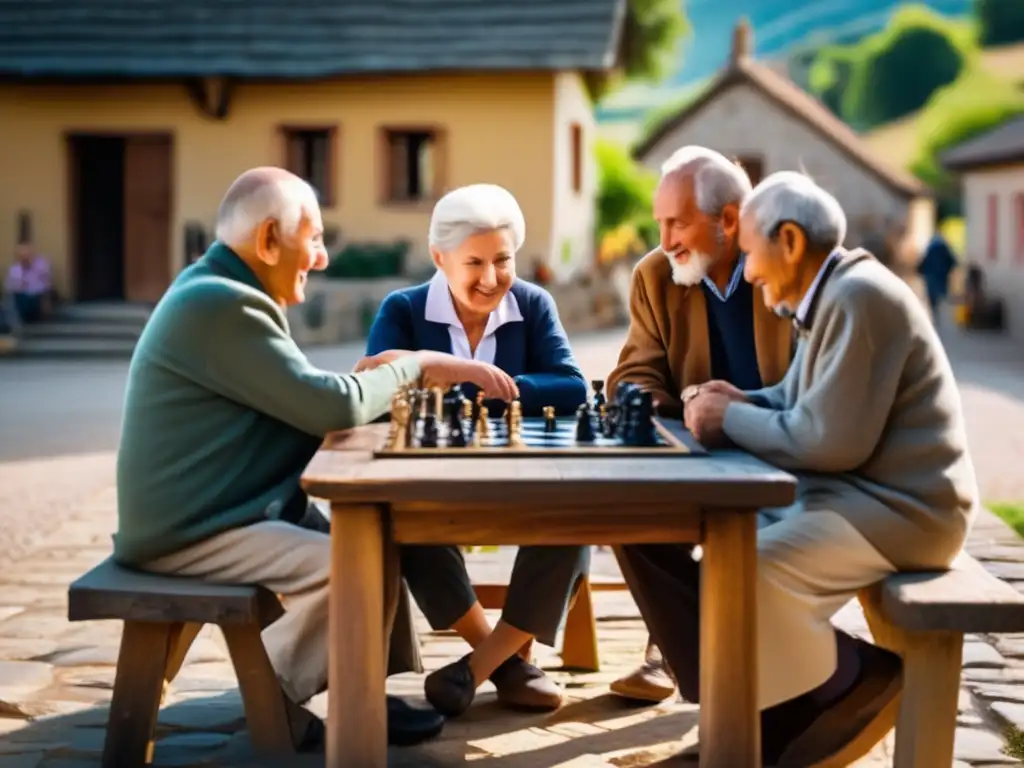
120	207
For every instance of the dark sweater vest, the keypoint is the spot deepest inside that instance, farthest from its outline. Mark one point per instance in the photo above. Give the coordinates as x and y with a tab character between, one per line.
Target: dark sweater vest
731	337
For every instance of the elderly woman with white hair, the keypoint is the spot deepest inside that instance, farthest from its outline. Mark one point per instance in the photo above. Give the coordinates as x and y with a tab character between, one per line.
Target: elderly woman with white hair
868	417
474	307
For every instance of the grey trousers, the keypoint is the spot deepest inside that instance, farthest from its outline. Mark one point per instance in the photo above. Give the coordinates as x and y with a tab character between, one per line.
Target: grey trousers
543	581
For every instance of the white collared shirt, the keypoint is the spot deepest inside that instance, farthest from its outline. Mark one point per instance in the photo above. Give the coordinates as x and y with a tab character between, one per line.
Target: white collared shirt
441	309
734	281
805	303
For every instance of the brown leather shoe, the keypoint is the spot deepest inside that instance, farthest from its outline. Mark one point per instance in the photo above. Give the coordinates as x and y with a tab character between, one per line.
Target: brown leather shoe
523	686
649	682
851	727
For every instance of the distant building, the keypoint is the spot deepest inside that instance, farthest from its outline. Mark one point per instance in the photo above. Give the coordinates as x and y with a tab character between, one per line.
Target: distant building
991	167
753	112
123	123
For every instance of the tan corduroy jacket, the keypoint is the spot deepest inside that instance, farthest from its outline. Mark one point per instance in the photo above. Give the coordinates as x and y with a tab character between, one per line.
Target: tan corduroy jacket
667	346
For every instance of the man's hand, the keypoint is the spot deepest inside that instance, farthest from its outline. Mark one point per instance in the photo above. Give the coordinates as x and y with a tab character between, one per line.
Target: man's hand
705	415
373	361
444	371
720	387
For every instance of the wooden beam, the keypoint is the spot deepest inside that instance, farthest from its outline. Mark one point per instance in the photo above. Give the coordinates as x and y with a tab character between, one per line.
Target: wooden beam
212	95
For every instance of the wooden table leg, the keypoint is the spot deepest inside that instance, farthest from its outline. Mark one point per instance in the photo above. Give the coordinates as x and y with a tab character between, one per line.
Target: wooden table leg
356	709
730	723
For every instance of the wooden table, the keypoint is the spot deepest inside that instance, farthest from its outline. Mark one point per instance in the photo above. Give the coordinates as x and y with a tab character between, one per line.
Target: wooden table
377	503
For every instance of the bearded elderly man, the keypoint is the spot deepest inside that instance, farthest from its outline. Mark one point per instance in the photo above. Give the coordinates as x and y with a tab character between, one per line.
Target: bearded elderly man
222	414
693	318
869	419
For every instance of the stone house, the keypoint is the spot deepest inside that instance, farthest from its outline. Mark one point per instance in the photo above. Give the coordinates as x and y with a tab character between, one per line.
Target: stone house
754	113
123	125
991	169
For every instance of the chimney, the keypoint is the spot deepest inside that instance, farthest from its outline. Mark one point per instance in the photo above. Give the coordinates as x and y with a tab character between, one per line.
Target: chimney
742	41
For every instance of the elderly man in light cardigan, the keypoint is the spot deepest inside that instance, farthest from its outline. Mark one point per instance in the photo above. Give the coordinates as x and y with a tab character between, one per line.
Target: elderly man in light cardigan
476	308
869	419
222	414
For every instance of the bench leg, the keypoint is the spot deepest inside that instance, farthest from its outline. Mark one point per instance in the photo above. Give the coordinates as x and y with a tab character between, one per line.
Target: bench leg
926	724
138	687
181	639
579	640
266	715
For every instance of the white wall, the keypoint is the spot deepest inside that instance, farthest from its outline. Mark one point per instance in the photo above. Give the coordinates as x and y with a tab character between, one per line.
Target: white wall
1004	274
572	230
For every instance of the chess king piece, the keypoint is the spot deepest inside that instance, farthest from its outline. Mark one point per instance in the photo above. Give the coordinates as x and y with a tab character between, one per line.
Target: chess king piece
584	425
550	424
398	431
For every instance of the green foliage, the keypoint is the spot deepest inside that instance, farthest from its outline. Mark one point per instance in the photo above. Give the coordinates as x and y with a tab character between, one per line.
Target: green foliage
974	104
1014	743
1000	21
652	33
362	261
624	190
1013	515
893	72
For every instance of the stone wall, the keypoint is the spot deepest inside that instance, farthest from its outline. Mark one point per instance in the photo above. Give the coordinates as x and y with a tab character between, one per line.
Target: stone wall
340	311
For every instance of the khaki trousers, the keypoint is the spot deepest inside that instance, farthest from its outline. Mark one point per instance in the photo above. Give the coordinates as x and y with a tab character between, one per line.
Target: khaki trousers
293	562
809	565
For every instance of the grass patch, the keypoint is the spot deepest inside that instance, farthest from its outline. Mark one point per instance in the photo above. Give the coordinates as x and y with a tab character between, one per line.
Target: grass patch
1014	743
1012	513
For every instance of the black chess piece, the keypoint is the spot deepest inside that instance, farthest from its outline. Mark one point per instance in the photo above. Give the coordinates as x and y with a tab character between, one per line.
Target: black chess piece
599	398
428	438
456	432
550	424
644	432
585	425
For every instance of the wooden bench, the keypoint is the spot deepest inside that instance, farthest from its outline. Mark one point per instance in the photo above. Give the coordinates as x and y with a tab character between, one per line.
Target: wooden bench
162	616
923	617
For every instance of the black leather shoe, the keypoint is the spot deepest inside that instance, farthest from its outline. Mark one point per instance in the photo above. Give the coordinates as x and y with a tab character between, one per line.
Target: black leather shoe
451	689
409	725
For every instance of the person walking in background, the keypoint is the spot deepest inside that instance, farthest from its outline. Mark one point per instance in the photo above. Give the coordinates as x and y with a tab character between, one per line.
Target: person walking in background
935	268
29	284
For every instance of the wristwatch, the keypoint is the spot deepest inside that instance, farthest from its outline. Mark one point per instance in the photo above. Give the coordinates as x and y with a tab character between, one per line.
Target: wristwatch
690	392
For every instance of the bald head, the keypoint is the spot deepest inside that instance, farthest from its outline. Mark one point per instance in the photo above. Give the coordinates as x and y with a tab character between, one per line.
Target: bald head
260	194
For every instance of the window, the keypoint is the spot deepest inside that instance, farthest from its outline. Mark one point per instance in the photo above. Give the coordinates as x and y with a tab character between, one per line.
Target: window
754	166
1019	200
310	153
412	165
993	227
576	156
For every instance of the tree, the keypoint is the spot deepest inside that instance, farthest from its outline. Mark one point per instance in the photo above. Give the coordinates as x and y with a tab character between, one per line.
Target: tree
652	32
902	66
624	190
1000	21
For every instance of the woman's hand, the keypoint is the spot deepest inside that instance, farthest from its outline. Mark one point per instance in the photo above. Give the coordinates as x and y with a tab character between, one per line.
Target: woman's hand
373	361
441	370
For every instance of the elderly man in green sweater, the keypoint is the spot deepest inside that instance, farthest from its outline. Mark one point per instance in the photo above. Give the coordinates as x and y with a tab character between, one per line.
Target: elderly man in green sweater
868	417
222	414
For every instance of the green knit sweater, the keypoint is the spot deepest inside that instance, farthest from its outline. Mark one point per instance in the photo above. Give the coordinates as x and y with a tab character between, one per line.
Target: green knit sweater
223	411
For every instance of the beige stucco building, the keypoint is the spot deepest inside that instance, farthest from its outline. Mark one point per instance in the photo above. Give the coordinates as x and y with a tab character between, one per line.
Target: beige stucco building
991	167
115	173
757	115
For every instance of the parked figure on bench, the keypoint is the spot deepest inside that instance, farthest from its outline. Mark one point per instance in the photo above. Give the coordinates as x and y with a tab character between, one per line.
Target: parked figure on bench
869	419
476	308
693	318
223	412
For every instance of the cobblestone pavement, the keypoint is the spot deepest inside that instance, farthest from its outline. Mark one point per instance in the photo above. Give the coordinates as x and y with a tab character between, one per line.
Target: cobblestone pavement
57	511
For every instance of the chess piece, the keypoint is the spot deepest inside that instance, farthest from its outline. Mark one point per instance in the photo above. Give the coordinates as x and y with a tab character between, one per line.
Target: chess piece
456	433
398	431
550	425
602	416
644	432
584	425
483	426
515	425
599	399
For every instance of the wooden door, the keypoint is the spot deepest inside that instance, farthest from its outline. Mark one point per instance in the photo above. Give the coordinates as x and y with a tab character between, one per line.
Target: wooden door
147	217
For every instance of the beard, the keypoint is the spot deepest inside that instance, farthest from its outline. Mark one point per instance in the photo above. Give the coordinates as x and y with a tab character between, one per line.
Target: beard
696	266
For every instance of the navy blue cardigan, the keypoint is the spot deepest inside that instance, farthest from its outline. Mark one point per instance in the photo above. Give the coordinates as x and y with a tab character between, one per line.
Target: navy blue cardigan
534	352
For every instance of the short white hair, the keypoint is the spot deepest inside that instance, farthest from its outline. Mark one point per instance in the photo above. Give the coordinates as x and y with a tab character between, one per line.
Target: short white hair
790	196
717	180
263	194
473	210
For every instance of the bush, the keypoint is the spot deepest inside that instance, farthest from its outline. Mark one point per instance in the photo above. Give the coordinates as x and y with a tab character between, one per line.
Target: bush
624	191
363	261
974	104
1000	21
897	70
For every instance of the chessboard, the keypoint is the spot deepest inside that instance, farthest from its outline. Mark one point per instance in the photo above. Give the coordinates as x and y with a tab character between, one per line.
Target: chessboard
425	424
